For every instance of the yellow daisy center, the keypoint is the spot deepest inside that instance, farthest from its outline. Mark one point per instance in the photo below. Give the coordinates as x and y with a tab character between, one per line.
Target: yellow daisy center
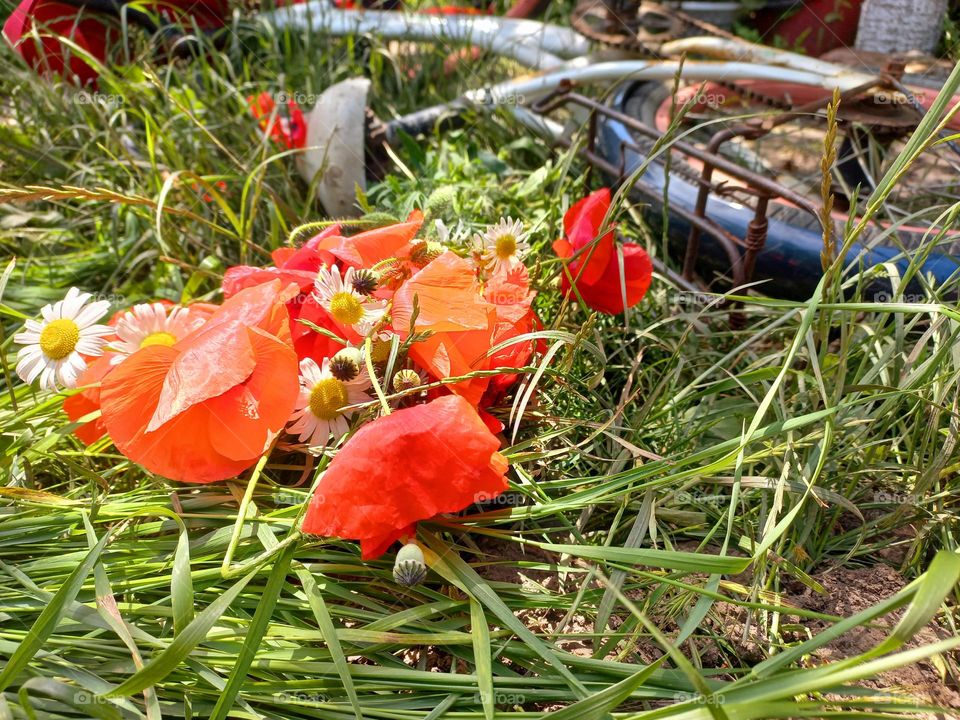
327	397
158	338
380	350
59	338
346	308
506	246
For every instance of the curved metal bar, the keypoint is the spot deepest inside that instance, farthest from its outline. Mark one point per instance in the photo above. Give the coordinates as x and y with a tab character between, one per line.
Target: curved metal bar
743	51
583	71
531	43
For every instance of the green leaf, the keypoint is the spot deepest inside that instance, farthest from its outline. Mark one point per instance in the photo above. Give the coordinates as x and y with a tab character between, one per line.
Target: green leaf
936	585
329	631
599	705
181	583
456	571
668	559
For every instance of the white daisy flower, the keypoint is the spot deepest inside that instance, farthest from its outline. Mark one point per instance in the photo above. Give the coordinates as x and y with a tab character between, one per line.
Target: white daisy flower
319	414
502	244
151	324
338	296
451	236
56	344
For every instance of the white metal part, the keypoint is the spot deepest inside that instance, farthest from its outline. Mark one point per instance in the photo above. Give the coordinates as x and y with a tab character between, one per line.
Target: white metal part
746	52
334	152
531	43
524	90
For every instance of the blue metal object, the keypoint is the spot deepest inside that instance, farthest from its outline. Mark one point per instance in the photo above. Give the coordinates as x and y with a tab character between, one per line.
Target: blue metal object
789	265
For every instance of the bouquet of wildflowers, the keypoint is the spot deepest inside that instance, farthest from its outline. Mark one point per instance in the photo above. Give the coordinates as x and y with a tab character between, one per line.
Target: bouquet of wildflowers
383	349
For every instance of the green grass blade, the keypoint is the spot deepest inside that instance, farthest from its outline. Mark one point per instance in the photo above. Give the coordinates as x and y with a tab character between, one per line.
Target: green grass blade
261	618
936	585
47	622
455	570
599	705
164	663
481	652
322	615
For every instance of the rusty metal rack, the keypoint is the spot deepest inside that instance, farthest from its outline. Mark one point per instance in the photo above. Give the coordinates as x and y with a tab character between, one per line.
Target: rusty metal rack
756	190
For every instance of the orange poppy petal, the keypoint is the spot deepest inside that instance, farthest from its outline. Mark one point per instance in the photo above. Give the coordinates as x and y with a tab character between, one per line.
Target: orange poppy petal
246	418
88	400
259	306
280	256
509	287
404	467
562	248
181	449
218	355
448	297
207	365
454	354
368	248
240	277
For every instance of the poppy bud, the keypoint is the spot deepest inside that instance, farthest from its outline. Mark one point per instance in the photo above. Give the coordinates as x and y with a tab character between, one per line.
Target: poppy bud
345	365
439	202
374	220
406	380
410	568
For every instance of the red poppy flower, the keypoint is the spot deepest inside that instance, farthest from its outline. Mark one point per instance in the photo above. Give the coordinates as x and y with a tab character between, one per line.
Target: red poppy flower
298	266
453	310
54	21
291	265
288	127
88	400
206	408
404	467
208	14
596	270
509	293
368	248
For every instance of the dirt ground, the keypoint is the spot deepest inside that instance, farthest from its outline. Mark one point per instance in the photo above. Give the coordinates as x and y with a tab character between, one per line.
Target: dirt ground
848	591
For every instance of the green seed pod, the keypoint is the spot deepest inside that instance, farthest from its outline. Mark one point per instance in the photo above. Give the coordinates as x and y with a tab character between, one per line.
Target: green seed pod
410	568
406	380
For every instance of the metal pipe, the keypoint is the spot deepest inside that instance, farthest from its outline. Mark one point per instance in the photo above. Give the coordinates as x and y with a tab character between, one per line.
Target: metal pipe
742	51
582	71
531	43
